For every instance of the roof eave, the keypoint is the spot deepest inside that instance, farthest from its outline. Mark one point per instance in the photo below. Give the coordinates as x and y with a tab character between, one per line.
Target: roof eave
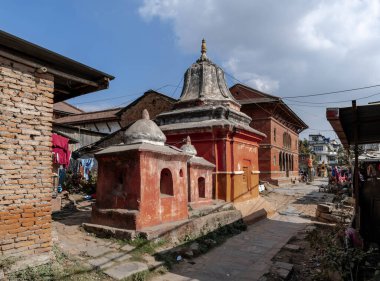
72	78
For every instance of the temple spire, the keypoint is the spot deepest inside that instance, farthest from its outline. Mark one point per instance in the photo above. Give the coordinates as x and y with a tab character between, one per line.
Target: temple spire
203	51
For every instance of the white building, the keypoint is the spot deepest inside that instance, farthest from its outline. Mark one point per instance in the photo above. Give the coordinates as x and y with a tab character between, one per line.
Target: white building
326	150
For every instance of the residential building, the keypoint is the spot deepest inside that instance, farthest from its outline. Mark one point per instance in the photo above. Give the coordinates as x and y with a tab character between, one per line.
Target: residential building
109	121
278	151
62	109
325	150
32	79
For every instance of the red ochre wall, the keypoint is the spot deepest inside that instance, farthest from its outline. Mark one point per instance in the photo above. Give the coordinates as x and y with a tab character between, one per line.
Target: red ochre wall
156	208
194	173
129	187
229	152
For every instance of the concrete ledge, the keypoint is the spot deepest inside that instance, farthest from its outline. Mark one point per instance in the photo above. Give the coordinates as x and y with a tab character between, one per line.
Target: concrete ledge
192	228
175	232
107	231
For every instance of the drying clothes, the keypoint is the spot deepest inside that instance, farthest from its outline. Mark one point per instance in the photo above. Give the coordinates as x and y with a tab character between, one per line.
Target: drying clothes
60	150
87	166
61	176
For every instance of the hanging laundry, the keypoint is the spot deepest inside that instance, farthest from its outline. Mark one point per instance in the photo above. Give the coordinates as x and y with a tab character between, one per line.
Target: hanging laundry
87	166
60	150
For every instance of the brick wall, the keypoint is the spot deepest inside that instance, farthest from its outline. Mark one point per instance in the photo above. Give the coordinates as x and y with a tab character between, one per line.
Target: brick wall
154	103
26	109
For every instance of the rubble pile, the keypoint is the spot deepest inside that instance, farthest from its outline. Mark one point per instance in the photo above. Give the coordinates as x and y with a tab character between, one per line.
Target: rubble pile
335	212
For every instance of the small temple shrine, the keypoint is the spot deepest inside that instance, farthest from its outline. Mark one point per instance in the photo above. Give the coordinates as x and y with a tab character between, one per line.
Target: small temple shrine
200	177
144	183
220	132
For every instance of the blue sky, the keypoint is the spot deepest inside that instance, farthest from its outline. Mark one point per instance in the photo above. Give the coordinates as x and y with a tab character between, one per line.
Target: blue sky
287	48
112	38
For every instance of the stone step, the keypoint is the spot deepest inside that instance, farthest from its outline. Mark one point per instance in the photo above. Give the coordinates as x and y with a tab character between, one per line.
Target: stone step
284	181
282	269
126	269
107	231
216	206
109	260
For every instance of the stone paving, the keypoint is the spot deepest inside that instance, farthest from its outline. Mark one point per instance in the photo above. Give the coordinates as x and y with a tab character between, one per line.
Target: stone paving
248	255
112	258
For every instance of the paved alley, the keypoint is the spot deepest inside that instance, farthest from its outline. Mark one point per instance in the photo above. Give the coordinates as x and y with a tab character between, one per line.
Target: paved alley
248	255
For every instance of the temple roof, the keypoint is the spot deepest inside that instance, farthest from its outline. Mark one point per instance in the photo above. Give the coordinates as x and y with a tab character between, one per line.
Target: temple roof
144	130
206	102
204	83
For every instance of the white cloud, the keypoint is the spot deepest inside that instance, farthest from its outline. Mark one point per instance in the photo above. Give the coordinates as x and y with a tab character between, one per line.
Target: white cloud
286	47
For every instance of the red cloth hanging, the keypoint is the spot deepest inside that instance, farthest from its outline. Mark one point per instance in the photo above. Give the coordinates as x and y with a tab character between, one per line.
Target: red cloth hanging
60	149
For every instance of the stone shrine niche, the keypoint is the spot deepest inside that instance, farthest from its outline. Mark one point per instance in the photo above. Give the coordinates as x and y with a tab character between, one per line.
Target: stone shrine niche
200	177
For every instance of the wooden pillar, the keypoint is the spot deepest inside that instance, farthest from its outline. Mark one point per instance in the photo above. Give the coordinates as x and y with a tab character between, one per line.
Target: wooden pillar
356	171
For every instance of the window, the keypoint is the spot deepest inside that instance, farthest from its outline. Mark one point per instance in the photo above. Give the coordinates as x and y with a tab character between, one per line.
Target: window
201	187
166	183
274	160
286	140
274	134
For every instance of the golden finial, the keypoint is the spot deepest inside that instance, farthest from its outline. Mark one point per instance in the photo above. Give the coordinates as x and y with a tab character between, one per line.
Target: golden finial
203	48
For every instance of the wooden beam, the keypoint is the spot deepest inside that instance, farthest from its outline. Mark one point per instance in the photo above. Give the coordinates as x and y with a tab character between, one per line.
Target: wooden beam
356	169
42	69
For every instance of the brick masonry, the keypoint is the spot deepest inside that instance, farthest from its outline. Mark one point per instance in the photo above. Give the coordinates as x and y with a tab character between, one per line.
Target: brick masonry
155	103
26	110
274	121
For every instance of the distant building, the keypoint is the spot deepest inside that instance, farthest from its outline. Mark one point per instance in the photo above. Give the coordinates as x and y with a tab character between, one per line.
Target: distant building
63	109
325	150
153	101
111	120
278	152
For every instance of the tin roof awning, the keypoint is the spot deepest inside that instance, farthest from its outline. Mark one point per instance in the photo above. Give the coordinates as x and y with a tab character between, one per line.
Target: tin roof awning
71	78
368	123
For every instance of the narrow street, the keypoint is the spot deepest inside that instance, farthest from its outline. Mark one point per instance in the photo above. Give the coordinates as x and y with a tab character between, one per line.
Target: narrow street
248	256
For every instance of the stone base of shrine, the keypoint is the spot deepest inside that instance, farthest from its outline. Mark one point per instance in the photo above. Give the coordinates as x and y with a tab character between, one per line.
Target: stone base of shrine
174	231
255	209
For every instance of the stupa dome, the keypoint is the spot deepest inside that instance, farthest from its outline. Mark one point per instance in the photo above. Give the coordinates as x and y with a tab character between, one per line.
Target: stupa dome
204	84
144	131
188	148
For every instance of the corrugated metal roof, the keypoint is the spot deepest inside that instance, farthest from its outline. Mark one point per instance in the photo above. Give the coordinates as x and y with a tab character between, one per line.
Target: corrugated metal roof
368	120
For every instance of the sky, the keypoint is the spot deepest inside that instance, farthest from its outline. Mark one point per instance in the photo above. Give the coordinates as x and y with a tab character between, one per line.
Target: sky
285	48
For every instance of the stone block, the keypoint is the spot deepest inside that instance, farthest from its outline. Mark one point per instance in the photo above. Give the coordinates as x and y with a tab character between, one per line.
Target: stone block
324	208
126	269
291	247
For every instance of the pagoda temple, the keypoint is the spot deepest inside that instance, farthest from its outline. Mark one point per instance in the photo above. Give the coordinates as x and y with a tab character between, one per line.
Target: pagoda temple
219	131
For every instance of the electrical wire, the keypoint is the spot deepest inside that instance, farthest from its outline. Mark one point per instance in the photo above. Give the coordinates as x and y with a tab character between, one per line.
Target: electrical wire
123	96
319	94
